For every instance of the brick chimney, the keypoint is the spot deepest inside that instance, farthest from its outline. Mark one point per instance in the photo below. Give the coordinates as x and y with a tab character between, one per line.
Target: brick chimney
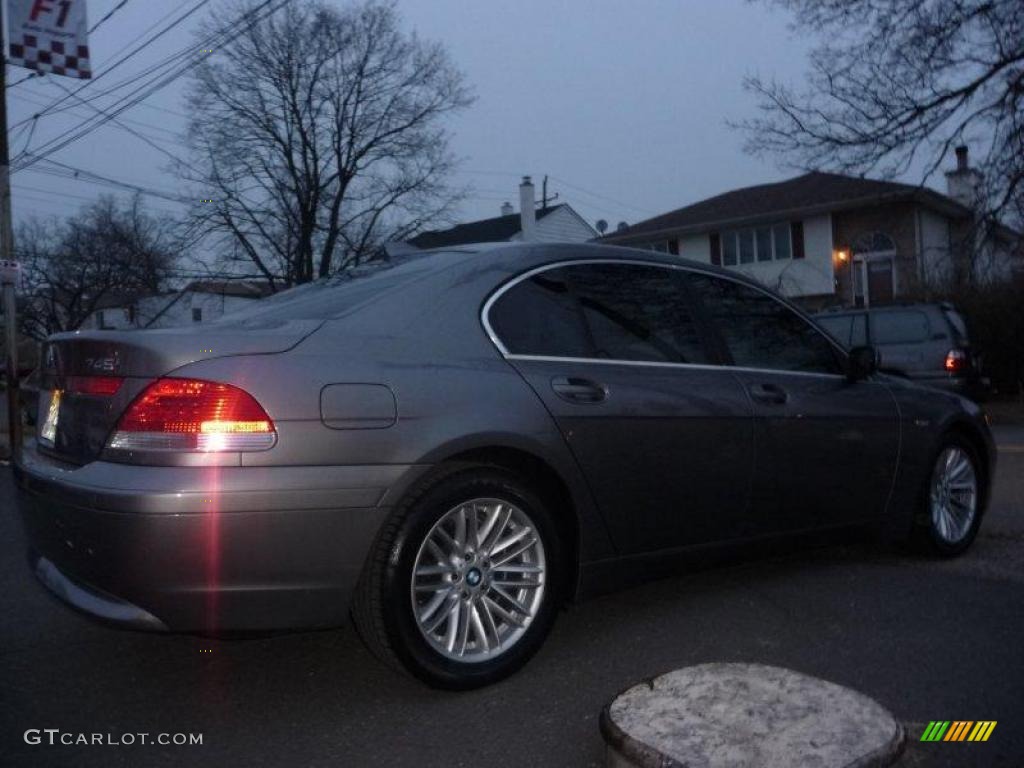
507	209
963	183
527	212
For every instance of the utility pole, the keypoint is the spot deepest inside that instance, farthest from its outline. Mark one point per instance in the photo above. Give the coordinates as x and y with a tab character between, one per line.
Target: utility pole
9	271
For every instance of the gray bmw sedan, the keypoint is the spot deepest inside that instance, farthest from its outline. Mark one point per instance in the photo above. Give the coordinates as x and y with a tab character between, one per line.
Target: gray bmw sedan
452	446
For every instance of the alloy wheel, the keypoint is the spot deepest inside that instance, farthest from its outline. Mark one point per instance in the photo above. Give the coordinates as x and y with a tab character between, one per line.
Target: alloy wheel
954	495
478	580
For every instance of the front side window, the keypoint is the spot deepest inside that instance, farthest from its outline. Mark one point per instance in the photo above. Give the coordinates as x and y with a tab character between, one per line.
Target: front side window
762	332
636	312
839	327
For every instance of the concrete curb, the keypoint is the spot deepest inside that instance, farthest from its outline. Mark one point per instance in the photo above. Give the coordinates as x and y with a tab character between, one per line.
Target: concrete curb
717	715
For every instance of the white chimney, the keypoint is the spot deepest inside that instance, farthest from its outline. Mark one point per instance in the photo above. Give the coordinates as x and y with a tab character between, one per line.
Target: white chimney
964	183
527	214
507	209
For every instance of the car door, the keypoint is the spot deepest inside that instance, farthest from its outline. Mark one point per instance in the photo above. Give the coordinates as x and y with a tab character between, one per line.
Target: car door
827	447
662	434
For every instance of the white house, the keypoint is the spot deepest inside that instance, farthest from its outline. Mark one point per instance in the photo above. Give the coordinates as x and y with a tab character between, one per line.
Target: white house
830	239
201	301
547	224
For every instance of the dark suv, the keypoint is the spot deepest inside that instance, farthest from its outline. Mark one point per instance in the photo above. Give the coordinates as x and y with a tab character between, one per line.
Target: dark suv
927	343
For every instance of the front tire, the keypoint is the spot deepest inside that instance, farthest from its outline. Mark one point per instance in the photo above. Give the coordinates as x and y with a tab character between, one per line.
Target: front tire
464	581
952	499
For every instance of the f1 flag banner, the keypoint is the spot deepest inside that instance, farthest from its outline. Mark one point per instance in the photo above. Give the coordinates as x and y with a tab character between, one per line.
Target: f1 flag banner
49	36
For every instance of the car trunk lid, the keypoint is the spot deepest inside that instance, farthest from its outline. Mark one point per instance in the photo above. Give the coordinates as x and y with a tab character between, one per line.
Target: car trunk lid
97	374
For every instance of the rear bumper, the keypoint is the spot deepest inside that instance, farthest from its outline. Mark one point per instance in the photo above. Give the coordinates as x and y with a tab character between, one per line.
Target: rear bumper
203	549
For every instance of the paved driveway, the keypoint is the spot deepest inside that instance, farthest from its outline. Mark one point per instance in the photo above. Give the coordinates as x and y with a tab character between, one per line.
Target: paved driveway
930	640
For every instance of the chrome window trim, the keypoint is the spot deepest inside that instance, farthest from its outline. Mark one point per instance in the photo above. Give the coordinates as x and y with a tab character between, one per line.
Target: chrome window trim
505	287
656	364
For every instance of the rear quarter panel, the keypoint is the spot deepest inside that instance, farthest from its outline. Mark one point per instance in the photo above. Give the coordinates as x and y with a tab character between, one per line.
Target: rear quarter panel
453	392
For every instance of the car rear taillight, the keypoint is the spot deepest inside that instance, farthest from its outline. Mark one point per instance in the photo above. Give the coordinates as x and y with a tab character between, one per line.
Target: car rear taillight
957	361
194	415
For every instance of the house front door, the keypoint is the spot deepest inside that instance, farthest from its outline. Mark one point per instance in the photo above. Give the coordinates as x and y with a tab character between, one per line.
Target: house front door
880	281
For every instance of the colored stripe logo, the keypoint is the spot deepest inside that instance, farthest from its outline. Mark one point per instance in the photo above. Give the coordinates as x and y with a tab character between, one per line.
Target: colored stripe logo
958	730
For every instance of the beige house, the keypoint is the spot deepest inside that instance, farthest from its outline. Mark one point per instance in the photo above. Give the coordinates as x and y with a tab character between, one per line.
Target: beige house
834	240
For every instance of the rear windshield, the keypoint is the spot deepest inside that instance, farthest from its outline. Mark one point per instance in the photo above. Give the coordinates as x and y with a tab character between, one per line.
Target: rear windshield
900	327
957	321
333	296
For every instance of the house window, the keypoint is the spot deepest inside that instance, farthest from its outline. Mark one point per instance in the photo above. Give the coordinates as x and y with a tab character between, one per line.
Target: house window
764	243
102	320
663	246
783	243
772	242
197	314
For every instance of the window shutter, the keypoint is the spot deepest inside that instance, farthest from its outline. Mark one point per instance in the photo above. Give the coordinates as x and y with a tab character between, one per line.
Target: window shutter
716	248
796	232
673	246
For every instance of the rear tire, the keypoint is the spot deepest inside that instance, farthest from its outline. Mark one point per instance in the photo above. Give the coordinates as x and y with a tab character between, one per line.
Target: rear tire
952	500
444	594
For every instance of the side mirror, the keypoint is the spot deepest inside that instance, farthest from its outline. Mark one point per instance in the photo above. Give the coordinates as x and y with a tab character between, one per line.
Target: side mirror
861	363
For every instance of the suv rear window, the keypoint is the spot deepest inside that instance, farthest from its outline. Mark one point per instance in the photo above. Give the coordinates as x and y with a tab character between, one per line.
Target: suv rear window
900	327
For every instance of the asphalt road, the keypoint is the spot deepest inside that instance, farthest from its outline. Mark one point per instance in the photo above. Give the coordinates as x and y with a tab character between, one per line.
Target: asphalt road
929	639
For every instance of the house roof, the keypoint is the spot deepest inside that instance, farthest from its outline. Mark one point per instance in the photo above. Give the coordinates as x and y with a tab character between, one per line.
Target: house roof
498	229
810	193
247	289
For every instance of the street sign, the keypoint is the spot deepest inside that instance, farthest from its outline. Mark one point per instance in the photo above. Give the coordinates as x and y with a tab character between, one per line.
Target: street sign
49	36
9	271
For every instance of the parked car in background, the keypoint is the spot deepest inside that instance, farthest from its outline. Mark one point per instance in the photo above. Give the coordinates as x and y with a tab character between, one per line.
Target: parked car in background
456	445
926	343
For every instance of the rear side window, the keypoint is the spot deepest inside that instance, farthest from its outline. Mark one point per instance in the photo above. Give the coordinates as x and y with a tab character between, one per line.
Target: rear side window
762	332
636	312
613	311
539	316
900	327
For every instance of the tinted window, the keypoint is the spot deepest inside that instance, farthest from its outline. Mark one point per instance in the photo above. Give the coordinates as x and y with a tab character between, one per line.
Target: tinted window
900	327
637	312
539	316
761	332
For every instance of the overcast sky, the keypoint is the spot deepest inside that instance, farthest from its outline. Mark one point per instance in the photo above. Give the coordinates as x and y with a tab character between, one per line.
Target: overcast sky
622	103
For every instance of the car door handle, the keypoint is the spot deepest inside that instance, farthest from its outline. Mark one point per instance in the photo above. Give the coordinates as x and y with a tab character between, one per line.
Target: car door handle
769	394
577	390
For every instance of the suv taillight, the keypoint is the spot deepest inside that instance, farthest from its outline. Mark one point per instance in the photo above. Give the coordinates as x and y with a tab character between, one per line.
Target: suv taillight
957	361
194	415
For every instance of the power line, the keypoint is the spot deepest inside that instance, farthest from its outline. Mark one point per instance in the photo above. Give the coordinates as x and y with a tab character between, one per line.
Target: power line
110	13
128	56
149	88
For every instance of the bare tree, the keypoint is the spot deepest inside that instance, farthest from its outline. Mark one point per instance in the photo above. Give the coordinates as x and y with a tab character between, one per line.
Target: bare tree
897	83
317	135
70	266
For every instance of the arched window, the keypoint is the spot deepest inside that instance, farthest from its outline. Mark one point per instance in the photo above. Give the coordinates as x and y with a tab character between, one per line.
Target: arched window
874	242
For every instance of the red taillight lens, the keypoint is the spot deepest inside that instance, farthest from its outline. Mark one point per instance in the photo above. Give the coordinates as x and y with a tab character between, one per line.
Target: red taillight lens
93	385
194	415
956	361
